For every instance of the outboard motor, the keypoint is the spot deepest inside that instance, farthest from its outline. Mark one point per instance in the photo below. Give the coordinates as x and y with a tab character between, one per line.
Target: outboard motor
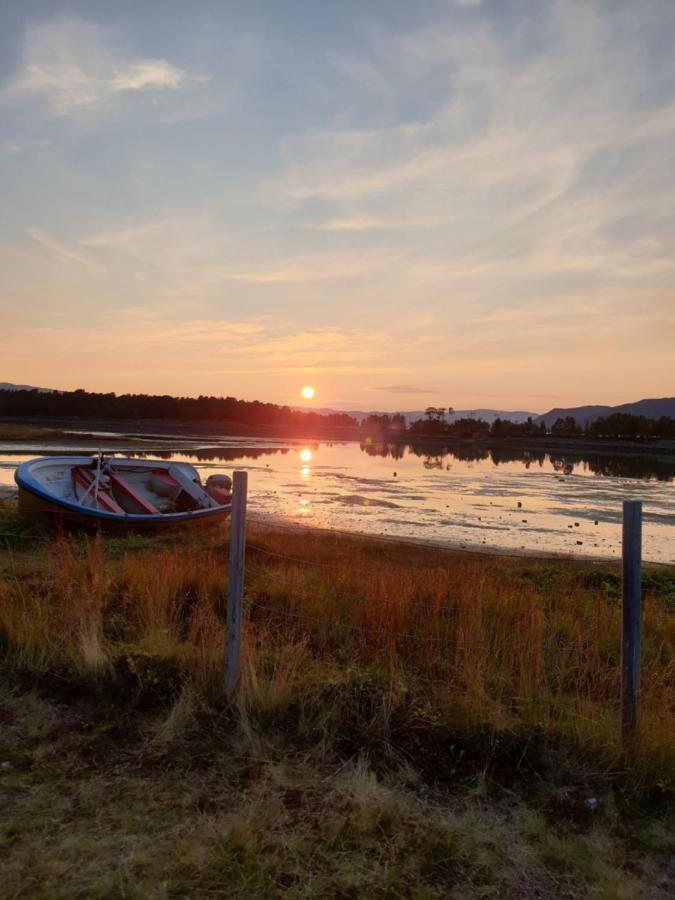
219	488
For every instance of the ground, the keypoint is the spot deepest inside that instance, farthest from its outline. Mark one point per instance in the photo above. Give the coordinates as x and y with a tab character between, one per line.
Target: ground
409	724
100	802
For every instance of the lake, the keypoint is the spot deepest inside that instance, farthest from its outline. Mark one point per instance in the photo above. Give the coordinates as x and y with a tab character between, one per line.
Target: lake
506	499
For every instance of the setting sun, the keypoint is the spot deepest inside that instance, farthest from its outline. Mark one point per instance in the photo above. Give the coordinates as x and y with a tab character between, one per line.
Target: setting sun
308	392
306	455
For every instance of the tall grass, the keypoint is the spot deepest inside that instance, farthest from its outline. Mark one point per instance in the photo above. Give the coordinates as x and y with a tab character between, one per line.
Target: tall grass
410	638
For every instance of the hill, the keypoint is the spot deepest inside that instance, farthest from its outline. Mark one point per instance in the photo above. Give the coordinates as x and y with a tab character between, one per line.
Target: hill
651	409
8	386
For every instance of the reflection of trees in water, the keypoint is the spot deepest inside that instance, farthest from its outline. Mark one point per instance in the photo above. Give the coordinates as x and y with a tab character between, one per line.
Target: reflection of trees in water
563	464
215	454
500	455
433	462
645	467
396	451
466	454
618	466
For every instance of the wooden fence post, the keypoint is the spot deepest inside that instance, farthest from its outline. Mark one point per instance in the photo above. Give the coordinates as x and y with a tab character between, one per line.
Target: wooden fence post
631	590
235	581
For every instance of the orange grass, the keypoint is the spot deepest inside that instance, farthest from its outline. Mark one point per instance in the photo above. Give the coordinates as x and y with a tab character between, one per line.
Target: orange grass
473	642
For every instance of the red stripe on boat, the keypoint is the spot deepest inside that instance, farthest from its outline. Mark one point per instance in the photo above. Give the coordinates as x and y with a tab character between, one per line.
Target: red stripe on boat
85	477
165	477
123	485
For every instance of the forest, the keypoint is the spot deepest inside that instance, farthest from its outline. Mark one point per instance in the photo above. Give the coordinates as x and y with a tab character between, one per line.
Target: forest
224	411
86	405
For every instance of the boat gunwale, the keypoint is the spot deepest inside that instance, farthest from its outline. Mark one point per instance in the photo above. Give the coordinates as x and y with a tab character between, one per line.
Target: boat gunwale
26	481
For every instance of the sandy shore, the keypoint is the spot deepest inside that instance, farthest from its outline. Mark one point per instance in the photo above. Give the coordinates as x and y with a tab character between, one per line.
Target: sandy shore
10	492
448	546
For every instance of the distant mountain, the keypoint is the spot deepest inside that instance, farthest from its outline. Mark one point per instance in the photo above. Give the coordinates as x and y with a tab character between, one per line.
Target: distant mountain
652	409
488	415
8	386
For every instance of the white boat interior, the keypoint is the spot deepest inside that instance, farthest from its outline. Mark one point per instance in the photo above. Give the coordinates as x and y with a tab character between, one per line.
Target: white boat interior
128	486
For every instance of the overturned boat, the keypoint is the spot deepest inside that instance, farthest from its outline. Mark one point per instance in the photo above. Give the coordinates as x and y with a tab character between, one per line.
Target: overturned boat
120	493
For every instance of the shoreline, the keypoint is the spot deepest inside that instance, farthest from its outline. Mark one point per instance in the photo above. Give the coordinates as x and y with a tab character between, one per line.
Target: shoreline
9	494
198	430
459	543
448	546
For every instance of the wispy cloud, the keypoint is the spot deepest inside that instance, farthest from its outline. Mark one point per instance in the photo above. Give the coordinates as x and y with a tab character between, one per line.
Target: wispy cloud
148	73
464	197
202	249
76	66
404	389
206	348
509	163
61	251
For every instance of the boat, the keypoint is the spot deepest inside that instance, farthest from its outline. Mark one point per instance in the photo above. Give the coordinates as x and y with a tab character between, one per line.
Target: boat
120	493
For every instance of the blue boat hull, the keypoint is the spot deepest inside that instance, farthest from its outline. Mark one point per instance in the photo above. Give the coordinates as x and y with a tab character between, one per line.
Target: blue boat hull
37	502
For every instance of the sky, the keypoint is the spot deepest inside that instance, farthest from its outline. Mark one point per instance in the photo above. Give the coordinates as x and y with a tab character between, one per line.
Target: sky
458	203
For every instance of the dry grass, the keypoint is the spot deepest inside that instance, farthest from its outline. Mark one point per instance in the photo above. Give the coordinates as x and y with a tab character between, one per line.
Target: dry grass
482	646
98	807
410	723
11	431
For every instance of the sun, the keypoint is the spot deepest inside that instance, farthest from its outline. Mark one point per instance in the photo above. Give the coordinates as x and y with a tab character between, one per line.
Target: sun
306	455
308	392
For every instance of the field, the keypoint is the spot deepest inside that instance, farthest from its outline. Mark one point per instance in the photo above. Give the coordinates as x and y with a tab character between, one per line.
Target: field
10	431
18	431
410	722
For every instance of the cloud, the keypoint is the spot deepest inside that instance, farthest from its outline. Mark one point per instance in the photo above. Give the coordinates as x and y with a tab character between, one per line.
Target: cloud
404	389
374	223
502	173
75	66
535	172
148	73
204	251
354	223
61	251
15	147
312	267
150	341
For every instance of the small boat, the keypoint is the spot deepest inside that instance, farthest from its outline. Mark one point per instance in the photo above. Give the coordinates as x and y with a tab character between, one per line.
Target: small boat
119	493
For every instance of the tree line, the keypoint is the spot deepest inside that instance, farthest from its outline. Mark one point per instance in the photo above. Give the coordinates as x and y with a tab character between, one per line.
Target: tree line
223	410
618	426
83	404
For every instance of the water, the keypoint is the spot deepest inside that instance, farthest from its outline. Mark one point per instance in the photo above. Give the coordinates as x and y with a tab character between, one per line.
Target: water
503	499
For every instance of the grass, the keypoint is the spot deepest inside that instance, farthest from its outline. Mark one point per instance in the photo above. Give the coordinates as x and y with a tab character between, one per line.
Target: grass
11	431
410	722
20	431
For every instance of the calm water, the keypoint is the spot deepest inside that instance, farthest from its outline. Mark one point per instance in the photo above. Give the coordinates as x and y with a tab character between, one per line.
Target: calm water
507	499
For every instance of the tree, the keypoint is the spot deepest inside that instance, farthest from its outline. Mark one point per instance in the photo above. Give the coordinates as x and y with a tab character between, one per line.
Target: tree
566	427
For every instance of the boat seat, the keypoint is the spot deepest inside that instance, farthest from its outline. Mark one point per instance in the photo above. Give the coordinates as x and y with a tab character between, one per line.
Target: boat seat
165	485
128	492
85	477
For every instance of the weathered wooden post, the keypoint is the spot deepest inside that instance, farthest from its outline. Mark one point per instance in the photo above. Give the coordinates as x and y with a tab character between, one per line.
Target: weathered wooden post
630	619
235	581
